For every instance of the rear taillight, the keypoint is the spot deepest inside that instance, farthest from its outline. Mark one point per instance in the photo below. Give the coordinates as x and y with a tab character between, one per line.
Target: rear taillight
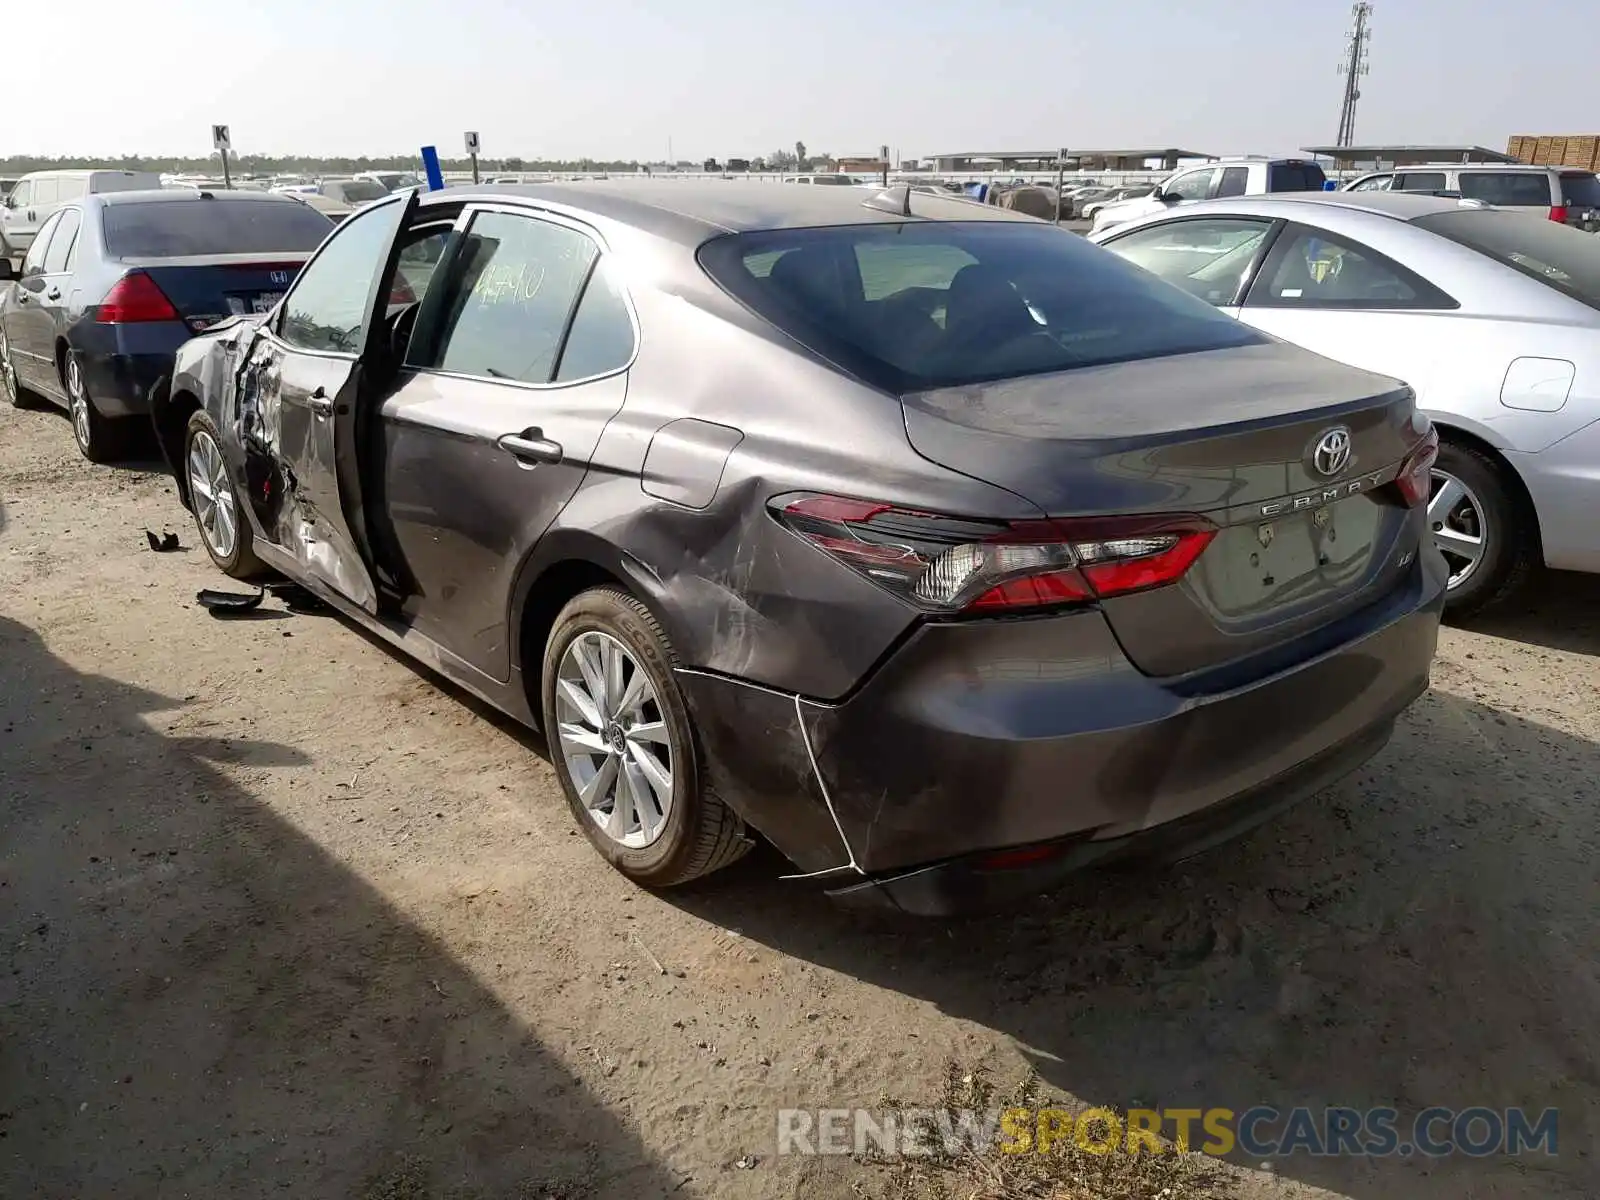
1559	213
1415	480
135	297
955	564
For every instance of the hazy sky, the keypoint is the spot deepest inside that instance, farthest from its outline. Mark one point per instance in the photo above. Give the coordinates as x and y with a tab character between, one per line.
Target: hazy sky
618	78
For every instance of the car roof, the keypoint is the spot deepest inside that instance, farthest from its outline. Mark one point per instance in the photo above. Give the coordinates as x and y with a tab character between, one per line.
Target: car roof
1490	167
691	211
1403	206
163	195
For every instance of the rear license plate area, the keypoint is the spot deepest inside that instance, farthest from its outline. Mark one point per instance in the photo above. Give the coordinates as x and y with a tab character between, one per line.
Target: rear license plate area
1288	560
257	302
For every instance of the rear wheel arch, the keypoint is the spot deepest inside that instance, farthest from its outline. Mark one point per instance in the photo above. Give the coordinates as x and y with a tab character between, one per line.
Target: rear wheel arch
564	564
169	414
1467	440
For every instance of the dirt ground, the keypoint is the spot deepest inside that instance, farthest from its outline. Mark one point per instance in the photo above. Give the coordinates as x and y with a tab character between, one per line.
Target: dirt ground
282	915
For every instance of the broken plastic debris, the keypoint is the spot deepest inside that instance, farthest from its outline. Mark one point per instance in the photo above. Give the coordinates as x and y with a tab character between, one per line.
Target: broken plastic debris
166	542
224	603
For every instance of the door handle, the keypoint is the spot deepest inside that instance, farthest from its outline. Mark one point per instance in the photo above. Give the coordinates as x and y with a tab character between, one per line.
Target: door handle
53	294
320	402
530	446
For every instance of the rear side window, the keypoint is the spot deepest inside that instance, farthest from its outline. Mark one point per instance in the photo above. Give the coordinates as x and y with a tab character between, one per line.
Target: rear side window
175	228
1512	188
1580	189
601	338
1421	181
1235	180
63	243
1560	256
919	305
1295	177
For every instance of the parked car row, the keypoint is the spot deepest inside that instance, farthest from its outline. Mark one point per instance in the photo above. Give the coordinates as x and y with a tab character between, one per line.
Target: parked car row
113	282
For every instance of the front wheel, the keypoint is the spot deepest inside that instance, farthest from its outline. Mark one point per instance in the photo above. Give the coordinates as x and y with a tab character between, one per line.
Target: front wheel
220	518
623	744
10	389
1478	521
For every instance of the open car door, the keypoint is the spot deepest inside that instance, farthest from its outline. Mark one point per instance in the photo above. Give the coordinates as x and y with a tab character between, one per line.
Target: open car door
330	337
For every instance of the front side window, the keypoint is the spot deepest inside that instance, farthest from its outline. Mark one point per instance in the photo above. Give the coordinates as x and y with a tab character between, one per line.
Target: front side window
327	309
62	243
1207	258
1196	185
1517	189
22	194
33	263
1309	268
920	305
510	296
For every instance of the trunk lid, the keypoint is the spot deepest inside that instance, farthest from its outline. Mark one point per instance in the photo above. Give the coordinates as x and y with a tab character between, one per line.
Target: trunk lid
1231	435
208	288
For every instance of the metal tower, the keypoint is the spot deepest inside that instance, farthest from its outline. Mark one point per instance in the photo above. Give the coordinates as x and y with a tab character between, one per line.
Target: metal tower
1353	67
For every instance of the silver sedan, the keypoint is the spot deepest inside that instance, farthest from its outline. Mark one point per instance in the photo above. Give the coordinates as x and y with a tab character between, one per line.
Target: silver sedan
1492	317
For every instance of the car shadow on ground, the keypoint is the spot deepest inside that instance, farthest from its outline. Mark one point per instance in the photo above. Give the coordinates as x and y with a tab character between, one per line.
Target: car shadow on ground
1418	935
1560	612
200	1001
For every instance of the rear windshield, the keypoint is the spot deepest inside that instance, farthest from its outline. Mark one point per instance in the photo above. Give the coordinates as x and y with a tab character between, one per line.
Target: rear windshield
908	307
1527	189
1295	177
1580	189
1565	258
356	191
175	228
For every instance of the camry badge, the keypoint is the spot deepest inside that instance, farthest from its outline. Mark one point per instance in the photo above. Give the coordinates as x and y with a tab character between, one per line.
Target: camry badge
1332	453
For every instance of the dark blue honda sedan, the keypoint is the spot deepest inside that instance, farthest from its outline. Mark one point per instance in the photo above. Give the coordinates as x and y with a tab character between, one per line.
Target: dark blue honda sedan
113	284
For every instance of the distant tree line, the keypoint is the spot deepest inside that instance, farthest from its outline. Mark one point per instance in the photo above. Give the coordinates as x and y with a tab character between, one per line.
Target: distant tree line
299	164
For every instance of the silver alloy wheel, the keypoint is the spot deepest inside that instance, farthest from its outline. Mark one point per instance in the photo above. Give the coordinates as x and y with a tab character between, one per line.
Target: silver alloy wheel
78	398
614	739
212	495
8	376
1460	528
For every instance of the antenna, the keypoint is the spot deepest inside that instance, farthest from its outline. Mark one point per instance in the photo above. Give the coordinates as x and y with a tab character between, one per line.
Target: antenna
1353	67
896	200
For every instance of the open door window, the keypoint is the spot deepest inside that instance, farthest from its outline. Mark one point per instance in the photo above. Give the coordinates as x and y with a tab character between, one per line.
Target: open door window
305	386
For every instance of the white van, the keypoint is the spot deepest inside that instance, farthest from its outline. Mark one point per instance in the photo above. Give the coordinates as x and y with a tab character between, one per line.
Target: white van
36	196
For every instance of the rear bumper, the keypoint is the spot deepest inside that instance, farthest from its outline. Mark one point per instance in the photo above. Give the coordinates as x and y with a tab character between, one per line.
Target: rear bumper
122	384
1564	481
985	736
122	364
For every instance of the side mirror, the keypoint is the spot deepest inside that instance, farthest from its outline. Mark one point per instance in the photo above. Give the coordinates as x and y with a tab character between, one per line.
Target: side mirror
1162	197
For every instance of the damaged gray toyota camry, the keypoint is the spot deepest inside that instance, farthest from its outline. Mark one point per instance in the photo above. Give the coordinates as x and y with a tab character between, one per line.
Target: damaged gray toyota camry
944	550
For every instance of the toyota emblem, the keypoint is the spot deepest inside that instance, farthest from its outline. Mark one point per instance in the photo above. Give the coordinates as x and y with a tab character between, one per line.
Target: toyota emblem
1332	453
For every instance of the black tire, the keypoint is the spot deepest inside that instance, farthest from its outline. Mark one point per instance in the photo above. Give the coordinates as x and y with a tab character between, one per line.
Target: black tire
14	393
1510	533
701	833
241	562
100	438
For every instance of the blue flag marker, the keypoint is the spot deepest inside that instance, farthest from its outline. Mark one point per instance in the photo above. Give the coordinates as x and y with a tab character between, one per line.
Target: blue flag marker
430	164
